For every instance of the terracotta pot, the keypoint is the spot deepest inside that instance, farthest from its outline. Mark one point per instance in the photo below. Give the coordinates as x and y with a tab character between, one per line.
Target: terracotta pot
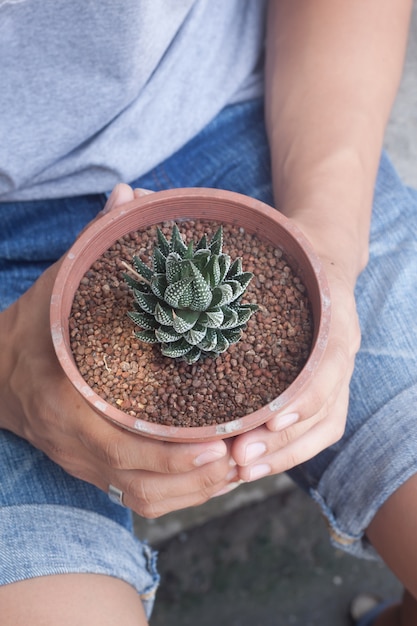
179	204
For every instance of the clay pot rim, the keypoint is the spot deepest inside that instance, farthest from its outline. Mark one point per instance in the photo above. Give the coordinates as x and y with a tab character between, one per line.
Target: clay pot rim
92	244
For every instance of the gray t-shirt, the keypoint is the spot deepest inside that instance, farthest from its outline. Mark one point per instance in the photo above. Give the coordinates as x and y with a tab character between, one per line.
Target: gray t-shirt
94	92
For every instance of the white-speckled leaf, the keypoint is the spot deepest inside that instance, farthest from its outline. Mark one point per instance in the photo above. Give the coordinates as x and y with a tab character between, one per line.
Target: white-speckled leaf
174	291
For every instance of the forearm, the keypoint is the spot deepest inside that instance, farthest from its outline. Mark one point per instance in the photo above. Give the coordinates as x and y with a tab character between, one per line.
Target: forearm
333	69
24	351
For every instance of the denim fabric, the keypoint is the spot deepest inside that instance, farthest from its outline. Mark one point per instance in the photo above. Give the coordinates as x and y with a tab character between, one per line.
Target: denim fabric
52	523
41	504
378	452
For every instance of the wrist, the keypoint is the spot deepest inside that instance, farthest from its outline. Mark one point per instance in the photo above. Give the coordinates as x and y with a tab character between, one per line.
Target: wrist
331	203
340	249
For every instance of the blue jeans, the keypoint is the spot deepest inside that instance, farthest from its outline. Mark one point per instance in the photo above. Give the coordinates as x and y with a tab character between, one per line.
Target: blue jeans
56	523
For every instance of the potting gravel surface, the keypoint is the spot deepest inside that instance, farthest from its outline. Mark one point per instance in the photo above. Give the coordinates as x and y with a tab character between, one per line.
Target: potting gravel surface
136	378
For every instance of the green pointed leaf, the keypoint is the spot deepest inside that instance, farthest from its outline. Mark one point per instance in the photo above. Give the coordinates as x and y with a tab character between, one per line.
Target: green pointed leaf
163	314
200	259
184	320
222	343
144	320
133	282
174	265
195	335
211	319
142	269
216	242
209	342
211	272
224	264
148	336
146	301
163	243
192	356
166	334
174	291
186	298
236	288
234	269
176	349
177	242
158	261
231	318
202	243
232	335
189	252
223	294
244	315
201	291
159	285
244	279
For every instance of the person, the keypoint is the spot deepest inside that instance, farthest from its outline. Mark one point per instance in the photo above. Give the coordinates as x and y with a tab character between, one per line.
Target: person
284	101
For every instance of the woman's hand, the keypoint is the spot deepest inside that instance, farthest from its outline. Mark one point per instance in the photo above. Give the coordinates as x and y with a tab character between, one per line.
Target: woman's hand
40	405
317	417
325	131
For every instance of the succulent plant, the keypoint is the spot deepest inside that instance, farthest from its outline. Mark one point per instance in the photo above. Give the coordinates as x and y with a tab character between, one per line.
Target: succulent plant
189	301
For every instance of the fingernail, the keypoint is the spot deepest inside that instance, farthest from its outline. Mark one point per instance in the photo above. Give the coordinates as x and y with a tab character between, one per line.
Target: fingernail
283	421
259	471
232	474
228	488
208	456
254	451
110	202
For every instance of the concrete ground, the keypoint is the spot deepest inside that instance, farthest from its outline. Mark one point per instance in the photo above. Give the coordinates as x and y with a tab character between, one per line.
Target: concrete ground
260	556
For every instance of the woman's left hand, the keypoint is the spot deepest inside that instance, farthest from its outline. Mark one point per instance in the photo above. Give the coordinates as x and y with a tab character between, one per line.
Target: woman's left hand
316	419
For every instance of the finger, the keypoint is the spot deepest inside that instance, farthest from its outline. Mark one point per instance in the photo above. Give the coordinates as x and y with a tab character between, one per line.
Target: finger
151	495
120	195
323	433
336	368
122	450
261	442
139	192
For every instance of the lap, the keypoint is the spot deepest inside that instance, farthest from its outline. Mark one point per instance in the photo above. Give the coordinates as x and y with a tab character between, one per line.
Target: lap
350	480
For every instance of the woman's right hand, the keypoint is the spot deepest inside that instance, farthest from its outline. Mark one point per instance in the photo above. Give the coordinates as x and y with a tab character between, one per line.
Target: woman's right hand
40	405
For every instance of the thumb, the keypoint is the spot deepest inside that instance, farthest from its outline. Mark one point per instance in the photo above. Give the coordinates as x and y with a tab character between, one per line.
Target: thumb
121	194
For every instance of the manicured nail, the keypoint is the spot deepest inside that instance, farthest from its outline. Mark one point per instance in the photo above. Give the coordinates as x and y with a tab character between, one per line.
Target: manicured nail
254	451
283	421
208	456
228	488
259	471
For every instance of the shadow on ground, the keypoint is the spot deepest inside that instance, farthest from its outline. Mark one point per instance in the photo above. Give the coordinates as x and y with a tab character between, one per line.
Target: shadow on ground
267	564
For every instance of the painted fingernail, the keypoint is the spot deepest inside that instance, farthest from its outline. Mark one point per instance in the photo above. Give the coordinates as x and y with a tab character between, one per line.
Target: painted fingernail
254	451
283	421
259	471
208	456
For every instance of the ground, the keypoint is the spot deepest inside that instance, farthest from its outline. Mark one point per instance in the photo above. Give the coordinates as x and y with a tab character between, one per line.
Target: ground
266	564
